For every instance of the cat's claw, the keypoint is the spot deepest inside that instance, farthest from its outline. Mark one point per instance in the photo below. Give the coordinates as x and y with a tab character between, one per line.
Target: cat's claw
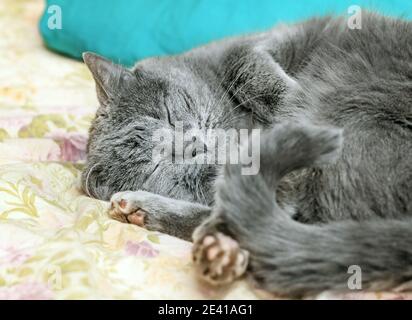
124	208
218	258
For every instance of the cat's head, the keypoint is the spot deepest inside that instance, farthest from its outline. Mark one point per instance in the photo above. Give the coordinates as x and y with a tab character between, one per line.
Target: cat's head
137	104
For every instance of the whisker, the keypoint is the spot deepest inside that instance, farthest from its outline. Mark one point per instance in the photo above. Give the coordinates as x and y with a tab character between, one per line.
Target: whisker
225	77
87	180
234	95
241	104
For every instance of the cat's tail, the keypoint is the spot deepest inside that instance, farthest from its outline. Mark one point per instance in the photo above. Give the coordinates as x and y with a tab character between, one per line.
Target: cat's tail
292	258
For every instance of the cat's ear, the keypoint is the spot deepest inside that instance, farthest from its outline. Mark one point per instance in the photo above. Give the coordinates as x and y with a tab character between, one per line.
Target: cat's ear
110	78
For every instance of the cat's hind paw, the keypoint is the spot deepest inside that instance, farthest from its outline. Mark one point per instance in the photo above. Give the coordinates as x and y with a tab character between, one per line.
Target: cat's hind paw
218	258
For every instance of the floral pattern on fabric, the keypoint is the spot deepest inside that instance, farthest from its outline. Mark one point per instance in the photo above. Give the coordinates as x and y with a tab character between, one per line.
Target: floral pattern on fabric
55	242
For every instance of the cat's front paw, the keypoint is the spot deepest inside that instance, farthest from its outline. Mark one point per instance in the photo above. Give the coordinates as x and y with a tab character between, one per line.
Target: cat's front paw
218	258
127	207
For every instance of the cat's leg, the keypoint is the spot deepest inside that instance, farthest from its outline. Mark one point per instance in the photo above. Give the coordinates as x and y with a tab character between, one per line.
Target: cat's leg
158	213
246	213
255	81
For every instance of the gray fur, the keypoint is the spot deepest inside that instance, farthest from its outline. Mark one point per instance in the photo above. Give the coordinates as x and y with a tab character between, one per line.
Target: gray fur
337	204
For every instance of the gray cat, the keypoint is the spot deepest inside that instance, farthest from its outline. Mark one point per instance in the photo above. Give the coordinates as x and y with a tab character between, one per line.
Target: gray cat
335	180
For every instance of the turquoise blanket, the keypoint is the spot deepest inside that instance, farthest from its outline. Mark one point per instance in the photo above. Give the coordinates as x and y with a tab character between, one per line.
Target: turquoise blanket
129	30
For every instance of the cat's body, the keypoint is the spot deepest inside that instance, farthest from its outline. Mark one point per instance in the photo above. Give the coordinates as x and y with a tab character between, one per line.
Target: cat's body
302	80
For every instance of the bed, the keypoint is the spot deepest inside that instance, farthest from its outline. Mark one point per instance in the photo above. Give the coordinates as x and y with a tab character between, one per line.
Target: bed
55	242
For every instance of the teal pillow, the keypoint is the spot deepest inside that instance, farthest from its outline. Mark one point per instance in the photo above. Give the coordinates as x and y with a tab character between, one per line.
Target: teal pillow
126	31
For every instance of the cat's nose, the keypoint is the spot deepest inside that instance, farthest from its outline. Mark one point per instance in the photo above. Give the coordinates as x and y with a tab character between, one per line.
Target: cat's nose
199	148
195	148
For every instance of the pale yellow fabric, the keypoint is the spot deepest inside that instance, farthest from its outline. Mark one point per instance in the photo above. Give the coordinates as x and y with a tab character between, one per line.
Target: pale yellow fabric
55	242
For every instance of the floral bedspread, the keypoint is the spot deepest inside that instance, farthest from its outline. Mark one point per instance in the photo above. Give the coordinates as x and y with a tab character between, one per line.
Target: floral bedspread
55	242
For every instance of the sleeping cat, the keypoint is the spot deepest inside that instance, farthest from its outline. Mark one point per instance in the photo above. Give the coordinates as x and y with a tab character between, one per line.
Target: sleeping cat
334	106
